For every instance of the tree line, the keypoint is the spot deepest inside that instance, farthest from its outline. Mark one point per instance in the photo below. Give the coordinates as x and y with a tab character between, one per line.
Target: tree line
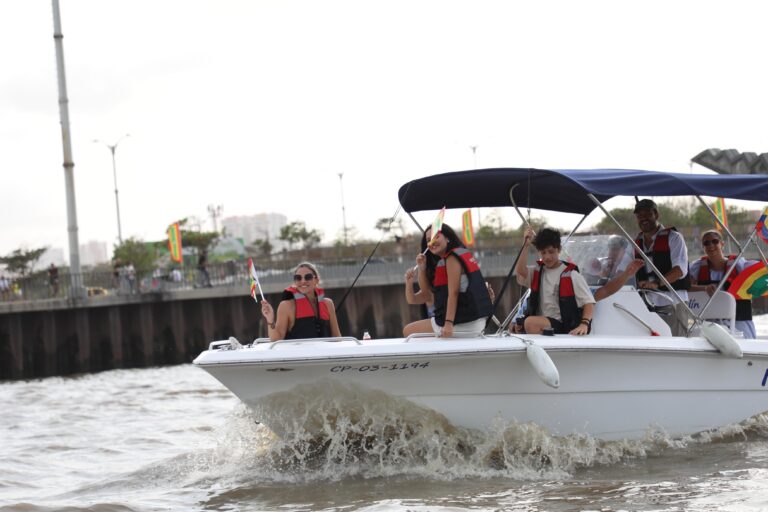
145	255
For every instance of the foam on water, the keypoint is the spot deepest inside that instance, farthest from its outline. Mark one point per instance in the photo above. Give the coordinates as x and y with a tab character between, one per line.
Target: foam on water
334	432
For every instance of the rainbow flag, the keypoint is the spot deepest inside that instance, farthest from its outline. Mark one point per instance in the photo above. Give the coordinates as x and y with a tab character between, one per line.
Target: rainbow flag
174	242
751	282
762	226
467	231
720	212
437	225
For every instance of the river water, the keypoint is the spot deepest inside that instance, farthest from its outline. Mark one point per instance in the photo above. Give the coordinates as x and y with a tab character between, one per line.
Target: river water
173	438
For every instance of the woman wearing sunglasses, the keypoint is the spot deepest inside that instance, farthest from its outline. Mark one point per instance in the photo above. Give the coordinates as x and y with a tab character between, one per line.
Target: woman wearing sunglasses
461	299
709	270
304	311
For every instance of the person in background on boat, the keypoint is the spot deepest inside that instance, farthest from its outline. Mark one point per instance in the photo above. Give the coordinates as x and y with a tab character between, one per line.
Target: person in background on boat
451	274
560	298
619	257
418	296
304	311
666	248
709	270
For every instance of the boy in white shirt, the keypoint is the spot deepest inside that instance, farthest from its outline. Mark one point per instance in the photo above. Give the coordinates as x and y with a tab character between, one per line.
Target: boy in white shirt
560	298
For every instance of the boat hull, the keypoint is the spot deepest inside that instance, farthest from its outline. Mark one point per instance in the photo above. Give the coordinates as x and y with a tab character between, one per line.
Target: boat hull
610	389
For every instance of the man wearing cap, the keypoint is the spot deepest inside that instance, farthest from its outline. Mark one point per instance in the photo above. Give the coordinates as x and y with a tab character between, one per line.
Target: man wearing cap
666	248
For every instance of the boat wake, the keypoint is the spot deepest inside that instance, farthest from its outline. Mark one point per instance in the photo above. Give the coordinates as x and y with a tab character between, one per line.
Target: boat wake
359	433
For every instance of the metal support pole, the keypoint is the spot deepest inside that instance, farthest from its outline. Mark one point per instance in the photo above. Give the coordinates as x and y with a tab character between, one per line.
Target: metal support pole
343	210
112	148
117	200
76	286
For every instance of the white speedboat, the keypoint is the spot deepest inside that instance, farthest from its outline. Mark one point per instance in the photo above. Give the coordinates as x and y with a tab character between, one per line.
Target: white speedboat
629	375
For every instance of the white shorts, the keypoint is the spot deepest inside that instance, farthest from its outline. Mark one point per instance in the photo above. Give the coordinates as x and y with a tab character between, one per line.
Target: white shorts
468	329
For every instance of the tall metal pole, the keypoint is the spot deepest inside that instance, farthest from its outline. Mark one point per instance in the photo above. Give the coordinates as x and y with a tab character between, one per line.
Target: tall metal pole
215	213
117	200
343	210
474	164
112	148
76	277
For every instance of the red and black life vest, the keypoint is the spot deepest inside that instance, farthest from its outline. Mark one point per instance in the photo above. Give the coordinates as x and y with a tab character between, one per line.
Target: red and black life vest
570	312
743	307
308	324
661	256
474	302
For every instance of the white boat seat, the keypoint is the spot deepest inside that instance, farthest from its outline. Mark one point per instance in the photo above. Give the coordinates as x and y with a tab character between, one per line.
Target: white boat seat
610	320
723	307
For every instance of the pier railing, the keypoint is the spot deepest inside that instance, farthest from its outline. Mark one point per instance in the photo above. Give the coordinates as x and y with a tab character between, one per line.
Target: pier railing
96	285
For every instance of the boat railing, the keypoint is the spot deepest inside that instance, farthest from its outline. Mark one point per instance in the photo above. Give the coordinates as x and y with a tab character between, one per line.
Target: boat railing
333	339
420	335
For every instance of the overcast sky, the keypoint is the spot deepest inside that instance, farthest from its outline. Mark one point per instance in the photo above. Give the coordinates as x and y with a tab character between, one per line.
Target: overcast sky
258	105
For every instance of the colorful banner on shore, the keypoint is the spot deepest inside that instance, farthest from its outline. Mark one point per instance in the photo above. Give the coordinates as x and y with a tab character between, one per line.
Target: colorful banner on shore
467	231
752	282
720	212
174	242
762	226
437	225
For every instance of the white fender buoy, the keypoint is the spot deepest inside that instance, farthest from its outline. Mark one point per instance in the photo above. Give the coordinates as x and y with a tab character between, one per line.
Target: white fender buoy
721	339
543	365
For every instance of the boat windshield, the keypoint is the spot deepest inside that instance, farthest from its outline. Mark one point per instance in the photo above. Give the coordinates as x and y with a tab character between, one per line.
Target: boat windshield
599	257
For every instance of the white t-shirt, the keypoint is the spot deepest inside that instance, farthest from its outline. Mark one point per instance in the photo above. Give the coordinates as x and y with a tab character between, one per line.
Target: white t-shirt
678	253
549	294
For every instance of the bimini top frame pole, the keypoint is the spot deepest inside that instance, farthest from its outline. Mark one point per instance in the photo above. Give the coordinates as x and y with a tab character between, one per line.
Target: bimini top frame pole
645	258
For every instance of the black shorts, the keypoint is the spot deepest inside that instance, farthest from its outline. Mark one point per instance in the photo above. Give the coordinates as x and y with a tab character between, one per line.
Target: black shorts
557	325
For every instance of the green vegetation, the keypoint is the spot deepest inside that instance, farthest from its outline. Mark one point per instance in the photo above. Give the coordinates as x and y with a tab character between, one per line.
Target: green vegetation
143	255
679	214
297	231
22	261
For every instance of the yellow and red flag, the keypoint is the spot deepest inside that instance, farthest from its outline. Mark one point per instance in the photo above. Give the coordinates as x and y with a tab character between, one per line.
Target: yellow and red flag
437	225
174	242
467	231
752	282
722	215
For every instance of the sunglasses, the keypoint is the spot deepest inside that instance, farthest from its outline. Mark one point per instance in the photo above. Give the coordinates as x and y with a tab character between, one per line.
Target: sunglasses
707	243
306	277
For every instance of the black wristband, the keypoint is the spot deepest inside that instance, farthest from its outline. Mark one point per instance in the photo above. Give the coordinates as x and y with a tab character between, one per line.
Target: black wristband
586	321
272	325
449	321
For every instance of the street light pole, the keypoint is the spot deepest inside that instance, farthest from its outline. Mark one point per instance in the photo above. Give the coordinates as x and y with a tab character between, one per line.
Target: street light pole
112	148
343	211
215	213
474	161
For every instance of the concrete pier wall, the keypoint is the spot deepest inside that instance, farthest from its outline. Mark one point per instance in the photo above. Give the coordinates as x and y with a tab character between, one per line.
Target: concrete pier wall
65	338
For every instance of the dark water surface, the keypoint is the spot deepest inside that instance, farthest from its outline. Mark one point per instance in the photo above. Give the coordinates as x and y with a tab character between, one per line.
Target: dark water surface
174	439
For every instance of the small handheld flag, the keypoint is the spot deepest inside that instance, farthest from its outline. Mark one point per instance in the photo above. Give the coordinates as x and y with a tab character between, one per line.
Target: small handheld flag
174	242
762	226
254	280
752	282
467	231
720	212
437	226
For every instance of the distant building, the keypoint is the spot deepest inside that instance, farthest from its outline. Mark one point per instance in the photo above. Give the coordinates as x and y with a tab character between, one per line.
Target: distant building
256	227
93	252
